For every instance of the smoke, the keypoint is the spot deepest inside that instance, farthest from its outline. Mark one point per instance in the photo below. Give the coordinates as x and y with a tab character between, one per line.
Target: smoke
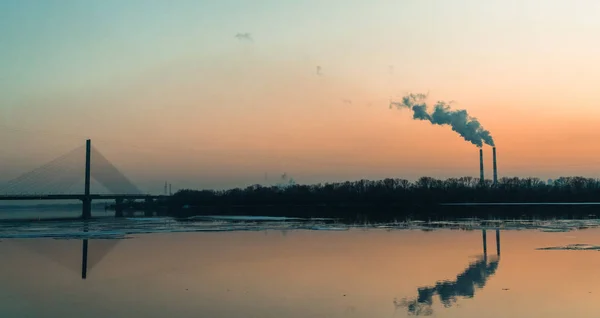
244	37
466	126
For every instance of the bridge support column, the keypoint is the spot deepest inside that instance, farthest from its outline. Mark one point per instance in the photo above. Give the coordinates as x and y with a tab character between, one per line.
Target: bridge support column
119	208
148	207
86	212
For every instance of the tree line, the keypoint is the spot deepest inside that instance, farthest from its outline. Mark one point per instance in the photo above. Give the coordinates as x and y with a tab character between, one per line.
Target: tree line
413	197
401	191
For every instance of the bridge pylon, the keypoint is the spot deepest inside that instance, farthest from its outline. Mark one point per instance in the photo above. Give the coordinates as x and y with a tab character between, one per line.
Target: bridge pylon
86	212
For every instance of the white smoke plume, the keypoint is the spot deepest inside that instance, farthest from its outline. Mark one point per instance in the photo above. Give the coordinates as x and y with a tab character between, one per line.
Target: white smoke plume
459	120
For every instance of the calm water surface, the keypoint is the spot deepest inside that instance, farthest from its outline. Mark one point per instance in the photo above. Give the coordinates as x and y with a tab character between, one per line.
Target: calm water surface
304	273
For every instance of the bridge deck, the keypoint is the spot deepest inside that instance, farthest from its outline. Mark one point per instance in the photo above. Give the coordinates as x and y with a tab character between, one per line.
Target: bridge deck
78	197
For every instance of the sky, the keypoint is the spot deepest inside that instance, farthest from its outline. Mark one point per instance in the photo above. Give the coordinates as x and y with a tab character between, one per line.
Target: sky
167	92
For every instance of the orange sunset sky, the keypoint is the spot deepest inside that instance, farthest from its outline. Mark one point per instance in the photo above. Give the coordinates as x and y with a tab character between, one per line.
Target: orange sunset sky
167	92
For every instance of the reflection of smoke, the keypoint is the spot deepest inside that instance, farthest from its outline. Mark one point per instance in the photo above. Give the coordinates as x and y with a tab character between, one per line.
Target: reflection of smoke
475	276
244	37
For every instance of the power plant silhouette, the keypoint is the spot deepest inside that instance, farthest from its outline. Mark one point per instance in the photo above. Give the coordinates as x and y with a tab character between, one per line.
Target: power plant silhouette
495	167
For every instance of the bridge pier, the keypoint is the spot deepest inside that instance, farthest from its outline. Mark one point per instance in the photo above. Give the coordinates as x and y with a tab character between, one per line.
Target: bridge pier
119	208
86	212
148	207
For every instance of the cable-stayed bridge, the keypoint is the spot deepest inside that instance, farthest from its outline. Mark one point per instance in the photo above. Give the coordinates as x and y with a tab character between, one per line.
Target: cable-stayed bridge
56	180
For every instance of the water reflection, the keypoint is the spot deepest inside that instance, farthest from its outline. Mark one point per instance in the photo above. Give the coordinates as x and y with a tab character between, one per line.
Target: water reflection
102	247
69	254
465	284
84	254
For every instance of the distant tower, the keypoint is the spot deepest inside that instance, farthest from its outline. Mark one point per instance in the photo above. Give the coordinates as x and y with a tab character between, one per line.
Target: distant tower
165	188
481	178
495	167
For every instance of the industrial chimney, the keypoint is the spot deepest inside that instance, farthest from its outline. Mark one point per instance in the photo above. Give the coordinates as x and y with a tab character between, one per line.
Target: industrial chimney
481	179
495	169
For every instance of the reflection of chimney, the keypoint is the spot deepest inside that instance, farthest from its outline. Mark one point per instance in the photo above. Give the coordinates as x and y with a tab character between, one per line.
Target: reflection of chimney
481	165
495	169
498	242
484	238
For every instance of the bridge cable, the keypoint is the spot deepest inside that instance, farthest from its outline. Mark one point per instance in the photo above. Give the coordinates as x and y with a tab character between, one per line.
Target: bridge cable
43	168
109	176
44	174
57	176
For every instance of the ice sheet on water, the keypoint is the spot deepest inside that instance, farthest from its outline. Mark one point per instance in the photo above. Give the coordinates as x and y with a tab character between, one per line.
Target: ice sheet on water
153	219
252	218
326	228
68	236
126	227
556	229
575	247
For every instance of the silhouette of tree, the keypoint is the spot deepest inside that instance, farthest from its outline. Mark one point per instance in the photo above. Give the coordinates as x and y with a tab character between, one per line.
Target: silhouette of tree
393	198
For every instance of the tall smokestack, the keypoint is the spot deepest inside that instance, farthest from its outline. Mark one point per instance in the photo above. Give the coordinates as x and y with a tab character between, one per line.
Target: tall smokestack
481	179
495	169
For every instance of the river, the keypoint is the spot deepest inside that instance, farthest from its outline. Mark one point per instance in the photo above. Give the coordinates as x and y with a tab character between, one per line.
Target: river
156	267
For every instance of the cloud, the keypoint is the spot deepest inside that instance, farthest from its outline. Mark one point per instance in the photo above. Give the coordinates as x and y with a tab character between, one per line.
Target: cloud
244	37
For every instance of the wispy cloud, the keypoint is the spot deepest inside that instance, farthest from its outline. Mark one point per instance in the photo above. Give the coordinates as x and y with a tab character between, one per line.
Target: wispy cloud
244	37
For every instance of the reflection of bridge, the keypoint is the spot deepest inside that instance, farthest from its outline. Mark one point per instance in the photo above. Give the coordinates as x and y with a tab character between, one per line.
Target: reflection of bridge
473	277
52	180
